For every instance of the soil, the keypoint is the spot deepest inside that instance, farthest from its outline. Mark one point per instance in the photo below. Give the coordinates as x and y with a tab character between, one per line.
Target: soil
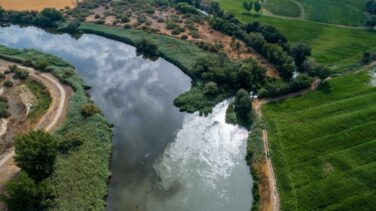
36	5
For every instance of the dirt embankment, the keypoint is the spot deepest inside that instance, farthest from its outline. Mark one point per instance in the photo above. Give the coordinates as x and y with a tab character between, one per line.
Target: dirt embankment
269	197
19	122
233	48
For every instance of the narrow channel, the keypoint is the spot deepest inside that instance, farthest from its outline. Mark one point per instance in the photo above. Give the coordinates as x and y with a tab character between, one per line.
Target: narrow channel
163	159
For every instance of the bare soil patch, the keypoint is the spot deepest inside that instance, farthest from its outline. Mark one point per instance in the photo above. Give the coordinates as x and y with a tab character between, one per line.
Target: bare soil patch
37	5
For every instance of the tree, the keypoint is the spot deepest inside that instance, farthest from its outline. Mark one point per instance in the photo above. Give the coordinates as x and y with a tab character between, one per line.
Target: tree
2	12
147	49
258	6
300	53
23	193
211	88
247	6
36	154
366	57
243	108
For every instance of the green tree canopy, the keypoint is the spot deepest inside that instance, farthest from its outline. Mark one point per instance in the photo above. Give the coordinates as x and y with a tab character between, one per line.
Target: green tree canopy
36	154
23	193
247	6
300	53
243	108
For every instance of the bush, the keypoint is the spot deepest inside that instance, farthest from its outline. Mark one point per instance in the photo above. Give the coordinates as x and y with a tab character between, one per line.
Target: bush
41	64
70	27
8	83
147	49
89	109
36	154
23	193
243	108
70	142
21	74
211	88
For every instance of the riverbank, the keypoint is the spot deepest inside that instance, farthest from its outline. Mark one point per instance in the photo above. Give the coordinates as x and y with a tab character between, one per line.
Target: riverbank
80	177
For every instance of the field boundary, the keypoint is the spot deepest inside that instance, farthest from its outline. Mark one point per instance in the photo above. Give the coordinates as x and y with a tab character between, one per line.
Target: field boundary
271	187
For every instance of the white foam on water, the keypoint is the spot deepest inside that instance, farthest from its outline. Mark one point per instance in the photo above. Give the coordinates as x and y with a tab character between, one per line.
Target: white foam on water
207	165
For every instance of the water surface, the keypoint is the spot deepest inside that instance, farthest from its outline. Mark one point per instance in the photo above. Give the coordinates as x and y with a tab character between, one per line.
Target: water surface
163	160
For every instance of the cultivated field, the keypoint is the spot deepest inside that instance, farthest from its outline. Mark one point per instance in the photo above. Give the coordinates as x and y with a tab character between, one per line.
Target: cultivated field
337	47
36	4
323	146
286	8
344	12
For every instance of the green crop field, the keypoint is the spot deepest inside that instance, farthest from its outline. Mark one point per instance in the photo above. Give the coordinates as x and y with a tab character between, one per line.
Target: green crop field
337	47
286	8
344	12
323	146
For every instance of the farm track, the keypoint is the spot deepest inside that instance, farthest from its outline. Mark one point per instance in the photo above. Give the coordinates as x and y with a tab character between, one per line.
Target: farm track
53	116
273	197
302	18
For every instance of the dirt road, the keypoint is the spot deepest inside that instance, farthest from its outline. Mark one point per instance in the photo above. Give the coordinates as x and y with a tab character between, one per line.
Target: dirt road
271	197
48	122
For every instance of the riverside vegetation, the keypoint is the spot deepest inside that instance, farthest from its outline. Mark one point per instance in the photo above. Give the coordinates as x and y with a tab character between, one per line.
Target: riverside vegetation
215	76
83	141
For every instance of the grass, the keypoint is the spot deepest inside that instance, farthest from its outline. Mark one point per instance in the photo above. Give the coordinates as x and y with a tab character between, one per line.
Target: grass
286	8
323	146
339	48
42	96
79	181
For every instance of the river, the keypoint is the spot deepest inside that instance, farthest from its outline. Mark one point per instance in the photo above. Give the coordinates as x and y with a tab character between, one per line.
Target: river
163	159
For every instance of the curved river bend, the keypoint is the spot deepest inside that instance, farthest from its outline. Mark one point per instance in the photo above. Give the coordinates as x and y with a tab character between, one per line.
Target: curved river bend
163	160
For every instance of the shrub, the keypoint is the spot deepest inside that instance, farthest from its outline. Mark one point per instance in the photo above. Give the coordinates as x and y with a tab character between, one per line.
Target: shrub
211	88
147	49
23	193
243	108
21	74
89	109
8	83
70	142
36	154
41	64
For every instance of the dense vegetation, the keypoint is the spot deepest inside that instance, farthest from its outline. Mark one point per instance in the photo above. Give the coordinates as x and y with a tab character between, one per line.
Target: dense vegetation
339	48
371	9
35	155
323	146
81	171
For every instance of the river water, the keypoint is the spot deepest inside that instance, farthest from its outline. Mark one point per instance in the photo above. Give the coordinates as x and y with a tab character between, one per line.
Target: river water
163	159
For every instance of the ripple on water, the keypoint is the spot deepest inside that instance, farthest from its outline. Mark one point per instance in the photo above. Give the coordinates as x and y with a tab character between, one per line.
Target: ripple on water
206	163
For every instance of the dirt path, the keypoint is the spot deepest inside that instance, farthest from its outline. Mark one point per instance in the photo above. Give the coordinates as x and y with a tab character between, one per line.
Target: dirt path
302	15
271	195
53	117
